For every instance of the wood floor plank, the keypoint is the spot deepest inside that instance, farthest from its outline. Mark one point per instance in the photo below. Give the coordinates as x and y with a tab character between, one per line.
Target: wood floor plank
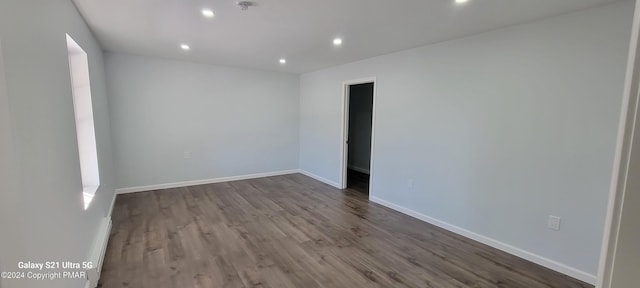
294	231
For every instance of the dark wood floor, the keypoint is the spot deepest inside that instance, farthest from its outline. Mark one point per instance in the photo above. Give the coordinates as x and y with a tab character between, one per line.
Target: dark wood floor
358	181
293	231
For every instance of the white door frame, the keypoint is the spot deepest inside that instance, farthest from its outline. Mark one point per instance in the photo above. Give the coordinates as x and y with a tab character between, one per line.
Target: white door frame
344	149
626	130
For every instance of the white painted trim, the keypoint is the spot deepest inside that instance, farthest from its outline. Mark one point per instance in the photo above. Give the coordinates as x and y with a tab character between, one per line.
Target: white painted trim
624	145
356	168
113	203
202	182
321	179
345	127
373	135
344	133
98	251
540	260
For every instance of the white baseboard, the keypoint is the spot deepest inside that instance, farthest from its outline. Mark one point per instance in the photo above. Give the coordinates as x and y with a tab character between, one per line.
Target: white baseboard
202	182
113	203
540	260
321	179
361	170
98	250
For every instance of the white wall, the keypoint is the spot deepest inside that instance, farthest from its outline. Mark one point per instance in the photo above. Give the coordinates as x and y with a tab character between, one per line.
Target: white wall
498	130
47	218
232	121
6	169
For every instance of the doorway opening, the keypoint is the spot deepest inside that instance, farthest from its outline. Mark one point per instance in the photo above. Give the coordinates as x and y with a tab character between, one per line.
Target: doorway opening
358	135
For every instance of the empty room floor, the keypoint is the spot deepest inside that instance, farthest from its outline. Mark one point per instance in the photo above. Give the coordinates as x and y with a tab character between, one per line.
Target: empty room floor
358	181
293	231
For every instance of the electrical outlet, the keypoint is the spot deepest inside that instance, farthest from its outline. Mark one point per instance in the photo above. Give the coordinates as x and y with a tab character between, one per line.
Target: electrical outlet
187	154
554	223
410	183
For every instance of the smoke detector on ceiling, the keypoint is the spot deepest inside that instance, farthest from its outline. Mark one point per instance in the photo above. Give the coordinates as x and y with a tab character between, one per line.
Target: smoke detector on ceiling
244	5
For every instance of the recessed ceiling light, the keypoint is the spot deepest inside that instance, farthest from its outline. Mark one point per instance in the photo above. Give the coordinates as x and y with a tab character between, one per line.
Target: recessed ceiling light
283	61
208	13
185	47
461	1
337	41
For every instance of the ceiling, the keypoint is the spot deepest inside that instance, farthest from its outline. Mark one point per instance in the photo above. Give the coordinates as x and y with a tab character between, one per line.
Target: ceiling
301	31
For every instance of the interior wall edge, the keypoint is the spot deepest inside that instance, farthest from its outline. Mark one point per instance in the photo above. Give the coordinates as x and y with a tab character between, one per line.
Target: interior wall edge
626	128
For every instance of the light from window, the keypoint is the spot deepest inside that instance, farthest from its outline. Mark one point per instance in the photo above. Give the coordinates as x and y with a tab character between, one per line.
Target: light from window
83	109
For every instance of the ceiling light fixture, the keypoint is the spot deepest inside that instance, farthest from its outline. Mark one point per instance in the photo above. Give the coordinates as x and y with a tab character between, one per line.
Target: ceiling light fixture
185	47
461	1
337	41
208	13
283	61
